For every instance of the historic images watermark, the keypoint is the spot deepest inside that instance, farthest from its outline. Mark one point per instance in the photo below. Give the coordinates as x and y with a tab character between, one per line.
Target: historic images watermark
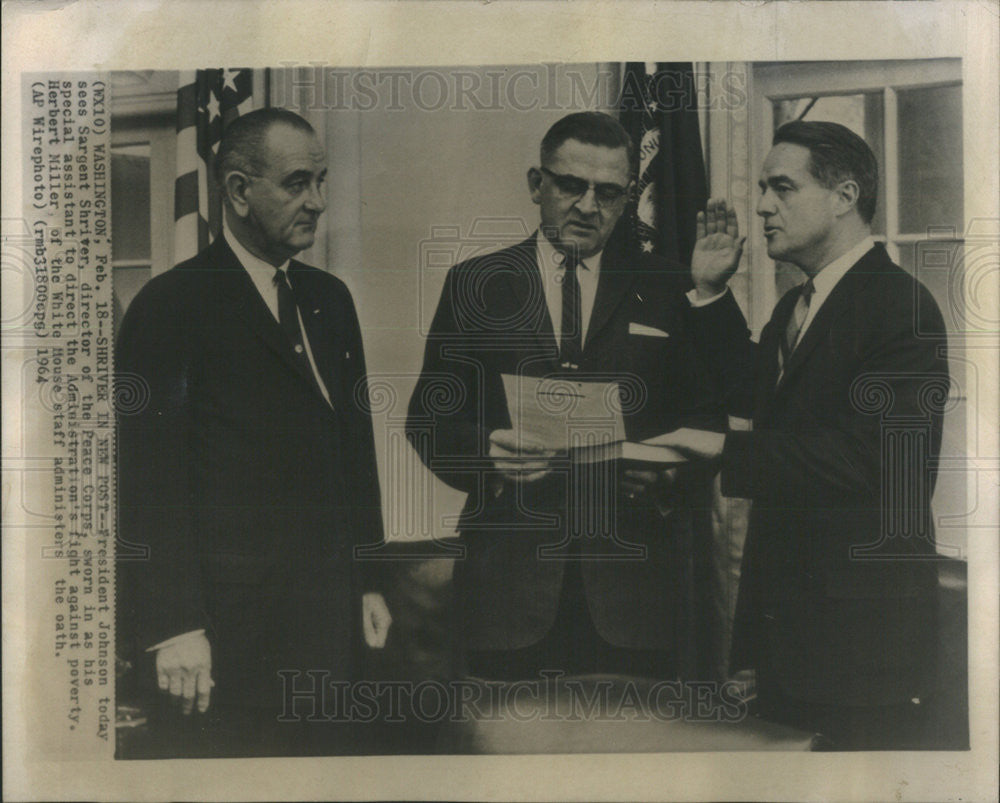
548	88
316	696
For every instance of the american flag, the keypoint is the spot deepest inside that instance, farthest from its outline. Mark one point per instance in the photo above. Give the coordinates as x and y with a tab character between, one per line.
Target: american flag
207	101
658	107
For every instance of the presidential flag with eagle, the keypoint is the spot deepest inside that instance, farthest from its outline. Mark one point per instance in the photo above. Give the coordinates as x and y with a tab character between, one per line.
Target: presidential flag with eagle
658	106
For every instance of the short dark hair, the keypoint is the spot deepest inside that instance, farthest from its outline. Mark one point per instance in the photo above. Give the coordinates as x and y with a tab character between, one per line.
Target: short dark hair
836	154
242	145
591	128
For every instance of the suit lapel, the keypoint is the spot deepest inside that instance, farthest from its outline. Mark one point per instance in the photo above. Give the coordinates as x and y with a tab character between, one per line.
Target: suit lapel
613	285
524	280
239	293
837	304
321	325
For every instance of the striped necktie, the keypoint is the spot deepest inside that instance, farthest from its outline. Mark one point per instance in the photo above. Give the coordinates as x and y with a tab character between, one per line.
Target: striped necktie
794	328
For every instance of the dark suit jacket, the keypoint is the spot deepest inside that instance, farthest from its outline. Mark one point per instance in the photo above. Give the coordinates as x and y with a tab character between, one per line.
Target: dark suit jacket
841	454
492	319
245	489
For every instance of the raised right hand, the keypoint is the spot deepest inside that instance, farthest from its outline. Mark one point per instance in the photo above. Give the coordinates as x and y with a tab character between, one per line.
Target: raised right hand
717	249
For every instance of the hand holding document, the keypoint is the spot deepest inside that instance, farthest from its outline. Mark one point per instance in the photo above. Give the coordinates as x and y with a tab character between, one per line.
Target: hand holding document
581	420
517	458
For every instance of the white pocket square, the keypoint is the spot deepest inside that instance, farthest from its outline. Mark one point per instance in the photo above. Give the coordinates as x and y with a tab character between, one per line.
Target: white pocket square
648	331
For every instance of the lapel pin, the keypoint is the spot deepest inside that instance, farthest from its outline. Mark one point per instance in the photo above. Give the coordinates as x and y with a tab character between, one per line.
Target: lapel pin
639	297
315	312
347	355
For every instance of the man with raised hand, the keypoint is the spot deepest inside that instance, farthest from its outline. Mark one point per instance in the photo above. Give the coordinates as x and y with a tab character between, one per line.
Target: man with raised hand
837	599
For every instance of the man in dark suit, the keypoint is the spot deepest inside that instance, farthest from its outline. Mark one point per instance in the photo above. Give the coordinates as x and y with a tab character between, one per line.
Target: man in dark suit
248	478
575	567
836	607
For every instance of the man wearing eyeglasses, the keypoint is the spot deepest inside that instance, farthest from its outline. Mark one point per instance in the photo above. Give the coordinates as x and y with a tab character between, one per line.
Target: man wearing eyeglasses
576	568
248	477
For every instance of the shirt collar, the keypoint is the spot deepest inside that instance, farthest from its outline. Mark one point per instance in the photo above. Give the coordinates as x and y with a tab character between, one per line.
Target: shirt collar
254	265
551	259
829	275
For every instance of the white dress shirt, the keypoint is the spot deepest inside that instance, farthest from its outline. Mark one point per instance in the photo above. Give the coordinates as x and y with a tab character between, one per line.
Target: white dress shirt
550	264
823	283
829	276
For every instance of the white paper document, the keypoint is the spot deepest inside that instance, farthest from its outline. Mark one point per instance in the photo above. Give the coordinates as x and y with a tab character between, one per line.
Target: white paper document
582	419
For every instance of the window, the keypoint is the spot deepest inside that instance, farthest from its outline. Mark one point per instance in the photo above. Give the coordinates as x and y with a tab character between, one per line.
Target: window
143	157
131	245
924	182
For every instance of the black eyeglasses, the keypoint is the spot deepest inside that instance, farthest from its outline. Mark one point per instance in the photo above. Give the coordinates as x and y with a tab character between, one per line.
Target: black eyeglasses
606	194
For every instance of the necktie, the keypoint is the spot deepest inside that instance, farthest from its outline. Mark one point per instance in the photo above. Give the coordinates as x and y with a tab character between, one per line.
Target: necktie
571	331
288	317
794	328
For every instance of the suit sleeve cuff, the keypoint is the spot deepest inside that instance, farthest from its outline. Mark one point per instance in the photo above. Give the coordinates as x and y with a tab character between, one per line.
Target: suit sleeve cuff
176	639
695	301
718	320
